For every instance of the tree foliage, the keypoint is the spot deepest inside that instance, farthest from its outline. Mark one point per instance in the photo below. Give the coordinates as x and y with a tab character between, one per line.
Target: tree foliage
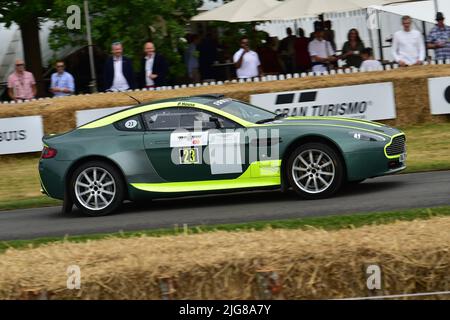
131	22
20	11
28	14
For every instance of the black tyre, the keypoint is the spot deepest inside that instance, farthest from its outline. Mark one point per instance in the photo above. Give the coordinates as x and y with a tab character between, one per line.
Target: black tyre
315	171
97	188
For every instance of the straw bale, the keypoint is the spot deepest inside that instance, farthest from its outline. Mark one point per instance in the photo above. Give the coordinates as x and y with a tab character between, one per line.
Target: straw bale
413	256
410	85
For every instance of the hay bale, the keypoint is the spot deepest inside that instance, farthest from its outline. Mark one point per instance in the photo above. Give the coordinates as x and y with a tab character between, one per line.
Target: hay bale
414	257
411	95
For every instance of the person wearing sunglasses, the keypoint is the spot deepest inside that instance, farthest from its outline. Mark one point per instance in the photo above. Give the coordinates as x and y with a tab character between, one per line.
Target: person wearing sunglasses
21	83
62	82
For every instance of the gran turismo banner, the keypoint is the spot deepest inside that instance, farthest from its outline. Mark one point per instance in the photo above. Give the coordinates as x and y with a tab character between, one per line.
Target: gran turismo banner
21	134
368	101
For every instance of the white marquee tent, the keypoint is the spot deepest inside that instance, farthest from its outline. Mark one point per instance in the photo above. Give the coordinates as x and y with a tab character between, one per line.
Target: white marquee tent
11	47
423	13
238	11
295	9
420	10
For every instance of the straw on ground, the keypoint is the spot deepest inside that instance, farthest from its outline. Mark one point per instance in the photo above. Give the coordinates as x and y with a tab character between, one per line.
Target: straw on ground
413	256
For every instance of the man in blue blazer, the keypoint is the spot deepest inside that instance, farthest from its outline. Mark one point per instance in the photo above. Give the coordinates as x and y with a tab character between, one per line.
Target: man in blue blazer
118	72
154	68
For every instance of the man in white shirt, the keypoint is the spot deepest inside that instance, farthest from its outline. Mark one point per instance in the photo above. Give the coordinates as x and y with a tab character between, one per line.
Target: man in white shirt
149	49
154	68
119	82
321	52
247	61
408	46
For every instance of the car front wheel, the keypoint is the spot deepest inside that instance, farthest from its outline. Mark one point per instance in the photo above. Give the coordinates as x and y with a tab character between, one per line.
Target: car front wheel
315	171
97	188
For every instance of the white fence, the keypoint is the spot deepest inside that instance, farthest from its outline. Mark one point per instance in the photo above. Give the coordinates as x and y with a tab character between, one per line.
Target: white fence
281	77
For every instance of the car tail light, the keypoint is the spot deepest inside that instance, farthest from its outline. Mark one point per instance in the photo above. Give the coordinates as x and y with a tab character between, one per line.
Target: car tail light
48	153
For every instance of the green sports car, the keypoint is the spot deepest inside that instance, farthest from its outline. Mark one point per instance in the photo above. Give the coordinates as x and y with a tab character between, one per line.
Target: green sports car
208	144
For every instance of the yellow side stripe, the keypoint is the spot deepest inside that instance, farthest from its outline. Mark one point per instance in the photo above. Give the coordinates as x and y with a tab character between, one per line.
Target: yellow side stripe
327	125
370	123
258	174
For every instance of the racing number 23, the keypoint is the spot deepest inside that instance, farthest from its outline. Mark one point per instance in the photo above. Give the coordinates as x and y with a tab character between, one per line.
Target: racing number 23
189	156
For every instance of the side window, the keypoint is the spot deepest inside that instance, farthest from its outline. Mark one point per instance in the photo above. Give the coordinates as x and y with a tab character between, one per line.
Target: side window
186	118
163	119
133	123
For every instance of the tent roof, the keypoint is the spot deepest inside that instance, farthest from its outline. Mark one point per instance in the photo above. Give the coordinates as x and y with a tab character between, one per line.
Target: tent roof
238	11
296	9
420	10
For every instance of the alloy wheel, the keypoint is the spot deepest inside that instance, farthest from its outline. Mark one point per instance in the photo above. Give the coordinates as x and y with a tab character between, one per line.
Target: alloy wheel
313	171
95	188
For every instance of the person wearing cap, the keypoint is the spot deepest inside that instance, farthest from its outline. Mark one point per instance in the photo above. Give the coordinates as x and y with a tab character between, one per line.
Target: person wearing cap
321	52
439	38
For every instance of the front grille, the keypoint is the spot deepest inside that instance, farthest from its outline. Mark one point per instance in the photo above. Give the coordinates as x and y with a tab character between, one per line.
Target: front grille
398	146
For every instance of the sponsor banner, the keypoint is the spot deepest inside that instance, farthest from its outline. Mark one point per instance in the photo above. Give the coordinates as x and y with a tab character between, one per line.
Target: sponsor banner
21	134
367	101
439	92
86	116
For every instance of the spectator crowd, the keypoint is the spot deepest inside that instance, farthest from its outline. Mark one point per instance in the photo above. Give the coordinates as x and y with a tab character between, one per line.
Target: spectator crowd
296	53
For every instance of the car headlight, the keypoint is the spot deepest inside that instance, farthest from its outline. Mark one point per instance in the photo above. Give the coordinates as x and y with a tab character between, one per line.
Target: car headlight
365	136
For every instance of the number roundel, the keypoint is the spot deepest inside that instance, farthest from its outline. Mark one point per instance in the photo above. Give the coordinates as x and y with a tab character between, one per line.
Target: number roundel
130	124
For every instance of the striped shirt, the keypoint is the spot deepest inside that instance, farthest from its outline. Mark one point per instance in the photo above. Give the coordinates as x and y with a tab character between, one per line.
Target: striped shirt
440	36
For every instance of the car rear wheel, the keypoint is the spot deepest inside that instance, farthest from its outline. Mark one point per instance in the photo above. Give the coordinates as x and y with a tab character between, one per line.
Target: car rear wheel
97	188
315	171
